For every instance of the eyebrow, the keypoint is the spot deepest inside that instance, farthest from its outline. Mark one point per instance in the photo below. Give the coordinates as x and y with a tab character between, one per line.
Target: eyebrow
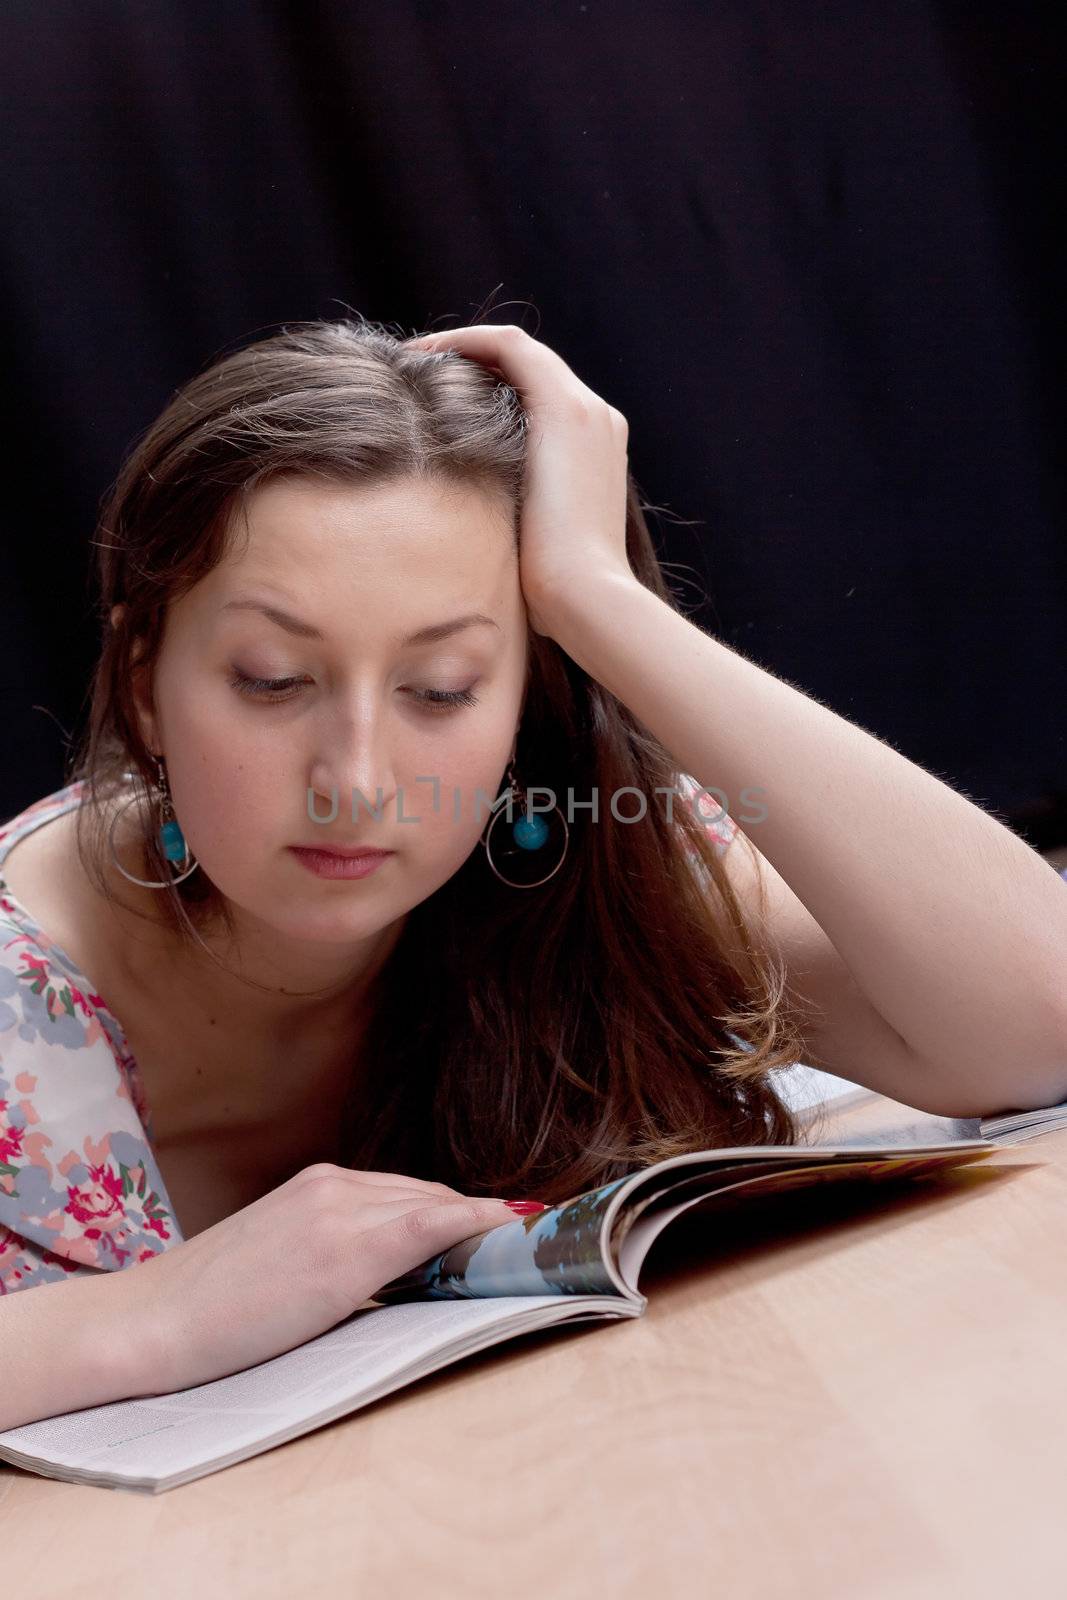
304	630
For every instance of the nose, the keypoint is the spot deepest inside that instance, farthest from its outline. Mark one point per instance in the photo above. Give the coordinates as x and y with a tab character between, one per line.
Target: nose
352	771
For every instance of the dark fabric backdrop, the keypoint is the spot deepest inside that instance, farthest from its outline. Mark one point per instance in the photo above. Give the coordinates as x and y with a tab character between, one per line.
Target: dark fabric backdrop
805	247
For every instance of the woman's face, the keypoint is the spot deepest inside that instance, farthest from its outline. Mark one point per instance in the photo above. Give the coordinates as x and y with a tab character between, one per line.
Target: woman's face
357	572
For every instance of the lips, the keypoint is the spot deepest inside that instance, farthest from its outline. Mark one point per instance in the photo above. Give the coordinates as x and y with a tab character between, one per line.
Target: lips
355	853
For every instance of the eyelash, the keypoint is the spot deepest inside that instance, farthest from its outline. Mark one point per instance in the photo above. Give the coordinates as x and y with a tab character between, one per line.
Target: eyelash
270	688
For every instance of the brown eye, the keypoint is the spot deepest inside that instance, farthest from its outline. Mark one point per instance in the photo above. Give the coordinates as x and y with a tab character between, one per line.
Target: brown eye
275	689
446	699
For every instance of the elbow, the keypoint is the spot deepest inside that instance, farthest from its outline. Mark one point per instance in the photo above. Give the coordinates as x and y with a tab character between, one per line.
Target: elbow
1027	1073
1024	1095
1034	1074
1019	1086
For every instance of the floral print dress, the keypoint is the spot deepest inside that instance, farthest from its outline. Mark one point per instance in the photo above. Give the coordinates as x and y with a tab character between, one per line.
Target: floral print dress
79	1186
80	1189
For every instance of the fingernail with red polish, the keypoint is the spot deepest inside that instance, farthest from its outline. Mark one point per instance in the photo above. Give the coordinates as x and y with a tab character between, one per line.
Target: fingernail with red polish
526	1208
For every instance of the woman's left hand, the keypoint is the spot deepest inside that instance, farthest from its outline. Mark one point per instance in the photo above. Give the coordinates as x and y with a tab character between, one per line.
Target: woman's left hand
573	526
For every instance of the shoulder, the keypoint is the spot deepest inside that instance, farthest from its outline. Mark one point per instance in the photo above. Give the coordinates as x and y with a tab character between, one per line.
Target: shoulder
31	817
41	994
41	871
78	1182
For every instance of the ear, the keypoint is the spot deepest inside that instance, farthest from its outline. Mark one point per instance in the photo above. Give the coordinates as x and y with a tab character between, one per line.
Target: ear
141	691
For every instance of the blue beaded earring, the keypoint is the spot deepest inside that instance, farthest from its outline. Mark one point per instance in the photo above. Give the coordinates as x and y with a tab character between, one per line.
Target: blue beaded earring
171	839
528	834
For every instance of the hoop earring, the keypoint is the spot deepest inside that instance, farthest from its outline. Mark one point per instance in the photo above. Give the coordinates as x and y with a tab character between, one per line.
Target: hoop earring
528	833
171	839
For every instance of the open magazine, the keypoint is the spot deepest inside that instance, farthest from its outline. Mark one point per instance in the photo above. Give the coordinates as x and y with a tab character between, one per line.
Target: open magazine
576	1262
822	1100
1014	1127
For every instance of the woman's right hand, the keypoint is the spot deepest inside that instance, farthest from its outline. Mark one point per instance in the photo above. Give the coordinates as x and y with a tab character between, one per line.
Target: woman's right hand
285	1268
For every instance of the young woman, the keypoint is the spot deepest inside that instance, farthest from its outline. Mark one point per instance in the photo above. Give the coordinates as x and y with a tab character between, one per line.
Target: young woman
368	594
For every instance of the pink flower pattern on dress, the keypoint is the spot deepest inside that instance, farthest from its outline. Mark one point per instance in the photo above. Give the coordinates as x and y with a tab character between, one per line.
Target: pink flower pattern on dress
80	1188
718	823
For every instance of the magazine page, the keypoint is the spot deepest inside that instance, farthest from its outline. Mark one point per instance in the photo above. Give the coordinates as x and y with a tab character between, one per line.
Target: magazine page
160	1441
456	1309
557	1251
567	1249
886	1121
1014	1127
632	1241
561	1250
890	1122
807	1089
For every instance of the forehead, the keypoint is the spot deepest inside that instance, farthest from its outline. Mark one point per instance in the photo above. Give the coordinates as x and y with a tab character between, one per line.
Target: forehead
367	521
413	538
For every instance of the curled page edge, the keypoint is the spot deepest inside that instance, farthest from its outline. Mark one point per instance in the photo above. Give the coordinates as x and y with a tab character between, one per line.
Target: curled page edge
631	1247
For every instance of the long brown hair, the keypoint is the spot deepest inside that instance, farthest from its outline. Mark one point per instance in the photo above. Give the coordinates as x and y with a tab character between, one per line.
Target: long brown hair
537	1041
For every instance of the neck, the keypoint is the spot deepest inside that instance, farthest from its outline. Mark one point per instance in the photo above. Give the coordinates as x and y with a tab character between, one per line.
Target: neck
267	981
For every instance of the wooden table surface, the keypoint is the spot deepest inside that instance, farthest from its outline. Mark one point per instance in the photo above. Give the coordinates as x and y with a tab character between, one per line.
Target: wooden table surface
863	1395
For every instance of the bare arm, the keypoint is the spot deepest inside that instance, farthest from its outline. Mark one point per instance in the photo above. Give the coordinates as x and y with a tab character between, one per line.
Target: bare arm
271	1276
922	906
68	1345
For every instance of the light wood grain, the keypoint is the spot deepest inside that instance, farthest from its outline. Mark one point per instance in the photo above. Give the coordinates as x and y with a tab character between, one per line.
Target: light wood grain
856	1395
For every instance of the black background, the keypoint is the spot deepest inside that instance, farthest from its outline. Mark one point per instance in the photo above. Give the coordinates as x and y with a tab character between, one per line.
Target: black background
806	248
